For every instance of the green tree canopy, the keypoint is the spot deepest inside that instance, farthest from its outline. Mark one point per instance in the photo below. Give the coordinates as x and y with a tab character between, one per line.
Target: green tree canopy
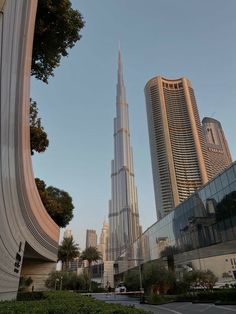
157	278
38	137
67	280
67	251
200	278
132	280
58	203
91	254
57	28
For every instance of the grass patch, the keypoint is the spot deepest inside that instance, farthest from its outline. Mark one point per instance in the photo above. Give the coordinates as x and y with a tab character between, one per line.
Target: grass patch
61	302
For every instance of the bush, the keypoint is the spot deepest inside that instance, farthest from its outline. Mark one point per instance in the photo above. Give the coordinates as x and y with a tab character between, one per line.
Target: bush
154	298
61	302
156	278
70	281
24	283
215	295
30	296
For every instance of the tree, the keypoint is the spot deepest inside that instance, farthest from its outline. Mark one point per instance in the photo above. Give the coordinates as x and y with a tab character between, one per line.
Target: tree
58	203
132	280
91	254
65	280
24	283
157	278
67	251
38	137
57	28
199	278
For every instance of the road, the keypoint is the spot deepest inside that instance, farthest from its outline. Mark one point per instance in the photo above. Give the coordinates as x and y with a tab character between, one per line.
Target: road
170	308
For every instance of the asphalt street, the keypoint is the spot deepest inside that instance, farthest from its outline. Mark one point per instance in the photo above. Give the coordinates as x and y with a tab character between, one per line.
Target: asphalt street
175	307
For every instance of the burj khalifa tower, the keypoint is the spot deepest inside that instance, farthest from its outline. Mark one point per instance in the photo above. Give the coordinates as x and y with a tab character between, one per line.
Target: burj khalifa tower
124	226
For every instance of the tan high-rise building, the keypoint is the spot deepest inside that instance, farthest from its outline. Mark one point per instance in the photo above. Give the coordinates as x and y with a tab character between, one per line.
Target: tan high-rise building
91	238
178	149
217	146
103	241
67	233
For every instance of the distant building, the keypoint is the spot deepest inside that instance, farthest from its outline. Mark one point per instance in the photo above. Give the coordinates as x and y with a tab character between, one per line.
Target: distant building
75	264
91	238
103	241
217	145
67	233
179	157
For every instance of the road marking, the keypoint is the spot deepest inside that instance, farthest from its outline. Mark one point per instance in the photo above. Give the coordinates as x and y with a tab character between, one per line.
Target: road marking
206	308
167	309
184	306
226	308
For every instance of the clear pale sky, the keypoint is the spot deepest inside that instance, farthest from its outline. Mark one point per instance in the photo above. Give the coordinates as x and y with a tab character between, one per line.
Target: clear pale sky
190	38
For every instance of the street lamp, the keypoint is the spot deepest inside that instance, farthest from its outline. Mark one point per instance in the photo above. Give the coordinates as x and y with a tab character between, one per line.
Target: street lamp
56	281
61	283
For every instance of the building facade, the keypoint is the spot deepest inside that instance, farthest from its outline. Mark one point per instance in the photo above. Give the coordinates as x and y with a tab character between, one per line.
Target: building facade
217	146
123	207
28	236
103	241
91	238
199	233
67	233
179	157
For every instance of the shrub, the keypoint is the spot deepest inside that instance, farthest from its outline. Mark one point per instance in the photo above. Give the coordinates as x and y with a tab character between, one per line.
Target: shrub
68	281
215	295
61	302
30	296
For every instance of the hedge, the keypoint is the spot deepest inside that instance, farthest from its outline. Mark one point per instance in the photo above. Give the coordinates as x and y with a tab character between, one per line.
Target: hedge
215	295
61	302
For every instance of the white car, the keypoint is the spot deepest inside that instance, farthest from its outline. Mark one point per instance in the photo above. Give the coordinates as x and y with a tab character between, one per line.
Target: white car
120	288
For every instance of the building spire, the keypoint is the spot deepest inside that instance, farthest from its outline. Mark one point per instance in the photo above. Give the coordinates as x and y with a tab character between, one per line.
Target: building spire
120	69
121	97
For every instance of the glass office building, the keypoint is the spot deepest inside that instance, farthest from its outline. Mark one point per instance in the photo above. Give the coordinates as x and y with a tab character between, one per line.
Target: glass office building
199	232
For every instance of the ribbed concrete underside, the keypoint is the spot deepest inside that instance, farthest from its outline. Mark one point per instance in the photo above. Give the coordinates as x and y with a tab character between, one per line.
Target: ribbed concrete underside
23	219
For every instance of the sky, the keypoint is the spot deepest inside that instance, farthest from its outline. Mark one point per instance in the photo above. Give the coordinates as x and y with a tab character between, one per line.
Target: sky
194	39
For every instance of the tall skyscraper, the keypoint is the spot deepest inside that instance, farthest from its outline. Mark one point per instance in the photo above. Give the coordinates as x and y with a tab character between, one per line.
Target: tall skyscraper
67	233
91	238
179	157
217	145
123	207
103	241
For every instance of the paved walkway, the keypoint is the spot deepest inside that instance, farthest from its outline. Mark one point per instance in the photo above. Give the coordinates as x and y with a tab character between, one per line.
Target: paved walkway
170	308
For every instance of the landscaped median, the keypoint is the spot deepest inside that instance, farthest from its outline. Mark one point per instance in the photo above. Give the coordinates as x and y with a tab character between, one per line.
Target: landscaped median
61	302
221	296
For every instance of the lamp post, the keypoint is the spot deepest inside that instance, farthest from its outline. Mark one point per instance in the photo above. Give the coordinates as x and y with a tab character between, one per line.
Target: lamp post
56	281
61	283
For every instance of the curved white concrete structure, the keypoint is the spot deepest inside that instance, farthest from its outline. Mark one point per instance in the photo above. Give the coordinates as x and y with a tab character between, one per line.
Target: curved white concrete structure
28	236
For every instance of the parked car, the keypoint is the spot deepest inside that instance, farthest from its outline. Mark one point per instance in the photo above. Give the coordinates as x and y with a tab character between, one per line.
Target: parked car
120	288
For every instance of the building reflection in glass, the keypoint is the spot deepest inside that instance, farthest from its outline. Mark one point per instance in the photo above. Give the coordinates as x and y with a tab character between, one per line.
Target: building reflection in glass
204	225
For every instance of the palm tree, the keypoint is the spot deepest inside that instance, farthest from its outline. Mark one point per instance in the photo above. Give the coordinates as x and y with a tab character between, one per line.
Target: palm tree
68	250
91	254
